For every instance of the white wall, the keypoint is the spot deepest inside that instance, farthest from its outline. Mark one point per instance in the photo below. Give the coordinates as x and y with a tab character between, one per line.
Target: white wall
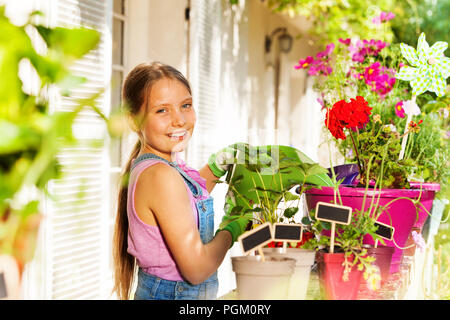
295	111
157	32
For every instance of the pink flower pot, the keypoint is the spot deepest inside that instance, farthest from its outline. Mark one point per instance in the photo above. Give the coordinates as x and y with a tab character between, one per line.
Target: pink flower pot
331	270
427	200
383	258
401	214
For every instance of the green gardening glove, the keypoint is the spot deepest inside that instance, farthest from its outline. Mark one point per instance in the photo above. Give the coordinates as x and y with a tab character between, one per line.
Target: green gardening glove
221	161
235	227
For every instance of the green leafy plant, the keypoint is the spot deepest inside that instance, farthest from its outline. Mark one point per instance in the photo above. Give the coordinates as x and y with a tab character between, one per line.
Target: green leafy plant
31	135
263	180
349	240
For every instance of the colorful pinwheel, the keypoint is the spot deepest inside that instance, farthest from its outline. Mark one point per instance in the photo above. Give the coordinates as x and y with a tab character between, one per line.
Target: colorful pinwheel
430	68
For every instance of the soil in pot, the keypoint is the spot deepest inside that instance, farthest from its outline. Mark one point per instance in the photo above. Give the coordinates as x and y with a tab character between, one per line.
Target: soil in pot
298	285
262	280
332	284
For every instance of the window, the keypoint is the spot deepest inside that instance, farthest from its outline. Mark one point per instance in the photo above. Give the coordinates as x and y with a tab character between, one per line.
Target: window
73	252
118	63
117	77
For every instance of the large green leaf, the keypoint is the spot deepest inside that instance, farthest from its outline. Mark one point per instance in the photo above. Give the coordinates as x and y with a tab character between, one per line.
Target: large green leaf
14	46
17	137
71	44
267	187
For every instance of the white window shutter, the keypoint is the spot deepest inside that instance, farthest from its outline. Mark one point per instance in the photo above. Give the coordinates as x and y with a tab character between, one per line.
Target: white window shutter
74	249
204	76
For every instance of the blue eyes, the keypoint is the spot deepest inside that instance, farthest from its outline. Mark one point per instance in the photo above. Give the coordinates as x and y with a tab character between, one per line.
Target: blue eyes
184	106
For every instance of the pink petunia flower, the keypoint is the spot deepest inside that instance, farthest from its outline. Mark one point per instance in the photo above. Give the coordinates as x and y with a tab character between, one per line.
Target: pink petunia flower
383	17
358	76
399	109
365	48
386	16
384	84
303	64
358	57
372	47
320	67
371	73
345	41
326	53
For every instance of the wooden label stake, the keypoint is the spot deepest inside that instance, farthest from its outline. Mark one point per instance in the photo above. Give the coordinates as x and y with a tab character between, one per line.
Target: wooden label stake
256	239
335	214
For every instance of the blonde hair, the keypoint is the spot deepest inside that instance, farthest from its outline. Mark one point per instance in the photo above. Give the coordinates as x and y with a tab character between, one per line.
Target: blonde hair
136	87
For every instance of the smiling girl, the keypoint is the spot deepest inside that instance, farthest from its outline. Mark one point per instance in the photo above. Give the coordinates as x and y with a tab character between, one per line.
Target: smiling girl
165	219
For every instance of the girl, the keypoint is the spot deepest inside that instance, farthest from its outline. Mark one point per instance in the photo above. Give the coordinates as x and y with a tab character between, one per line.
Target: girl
165	218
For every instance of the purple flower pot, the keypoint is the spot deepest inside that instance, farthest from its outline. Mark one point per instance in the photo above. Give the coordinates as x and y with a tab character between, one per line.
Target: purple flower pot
348	172
401	214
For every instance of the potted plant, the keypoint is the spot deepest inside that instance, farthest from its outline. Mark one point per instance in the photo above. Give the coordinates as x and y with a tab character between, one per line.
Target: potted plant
381	128
259	187
31	135
350	262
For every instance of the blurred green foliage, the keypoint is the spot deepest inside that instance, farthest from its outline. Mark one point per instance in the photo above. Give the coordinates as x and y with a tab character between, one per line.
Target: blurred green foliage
416	16
332	20
31	135
336	19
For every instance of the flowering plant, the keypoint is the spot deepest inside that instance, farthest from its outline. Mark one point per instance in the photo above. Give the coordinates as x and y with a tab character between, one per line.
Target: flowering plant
348	239
369	112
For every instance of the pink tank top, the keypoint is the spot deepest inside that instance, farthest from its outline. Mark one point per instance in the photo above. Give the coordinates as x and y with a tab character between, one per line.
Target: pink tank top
146	243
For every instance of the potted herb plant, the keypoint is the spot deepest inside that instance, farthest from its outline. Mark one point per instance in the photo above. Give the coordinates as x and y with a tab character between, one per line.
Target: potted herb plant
379	129
31	135
259	186
342	269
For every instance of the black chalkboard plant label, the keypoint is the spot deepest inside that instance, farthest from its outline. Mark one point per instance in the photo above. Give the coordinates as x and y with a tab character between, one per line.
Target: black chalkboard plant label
287	232
333	213
385	231
255	239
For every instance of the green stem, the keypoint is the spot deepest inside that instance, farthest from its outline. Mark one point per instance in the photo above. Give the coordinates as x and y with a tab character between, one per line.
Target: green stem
241	196
367	181
408	148
357	153
264	187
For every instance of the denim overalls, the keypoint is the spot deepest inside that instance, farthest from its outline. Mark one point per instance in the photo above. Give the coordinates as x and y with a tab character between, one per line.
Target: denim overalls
150	287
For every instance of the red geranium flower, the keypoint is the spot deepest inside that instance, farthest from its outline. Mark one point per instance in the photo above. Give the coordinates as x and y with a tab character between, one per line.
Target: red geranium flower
334	125
305	238
350	115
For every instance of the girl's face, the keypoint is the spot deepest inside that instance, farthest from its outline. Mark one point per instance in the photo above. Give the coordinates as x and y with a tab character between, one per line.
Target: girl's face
170	118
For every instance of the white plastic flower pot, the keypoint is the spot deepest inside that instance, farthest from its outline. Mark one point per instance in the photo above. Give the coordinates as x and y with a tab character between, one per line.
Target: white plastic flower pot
304	259
262	280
